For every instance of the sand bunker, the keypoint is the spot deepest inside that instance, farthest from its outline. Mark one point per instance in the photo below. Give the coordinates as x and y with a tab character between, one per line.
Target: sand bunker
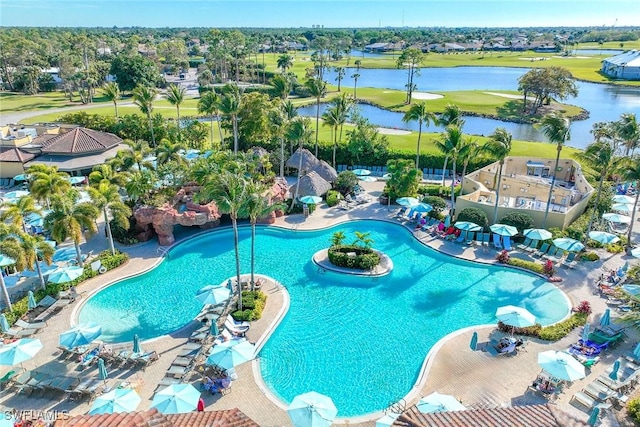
573	57
389	131
504	95
426	95
540	58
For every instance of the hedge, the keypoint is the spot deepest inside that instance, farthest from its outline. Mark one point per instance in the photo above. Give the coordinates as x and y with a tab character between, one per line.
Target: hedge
365	259
549	333
20	307
253	303
529	265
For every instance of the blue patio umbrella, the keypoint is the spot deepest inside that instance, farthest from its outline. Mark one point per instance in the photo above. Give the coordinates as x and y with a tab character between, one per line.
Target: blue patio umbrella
437	402
6	261
310	200
474	341
634	290
515	316
447	221
621	207
76	179
593	417
102	370
504	230
423	208
213	294
537	234
620	198
176	399
467	226
230	285
312	409
603	237
231	353
65	274
116	401
44	269
585	332
361	172
635	253
568	244
21	177
4	324
367	178
31	301
64	254
561	365
407	201
16	194
81	334
8	420
214	331
19	351
136	344
614	371
606	318
614	217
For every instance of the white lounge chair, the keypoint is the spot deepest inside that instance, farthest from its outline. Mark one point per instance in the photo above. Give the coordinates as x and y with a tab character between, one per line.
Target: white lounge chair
237	324
235	329
35	326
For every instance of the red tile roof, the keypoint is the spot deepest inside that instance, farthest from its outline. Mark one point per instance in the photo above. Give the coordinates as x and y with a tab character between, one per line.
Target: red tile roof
15	155
80	141
152	418
513	416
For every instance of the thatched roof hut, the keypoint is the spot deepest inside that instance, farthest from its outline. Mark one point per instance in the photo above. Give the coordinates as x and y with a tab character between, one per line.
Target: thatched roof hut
309	161
311	184
326	171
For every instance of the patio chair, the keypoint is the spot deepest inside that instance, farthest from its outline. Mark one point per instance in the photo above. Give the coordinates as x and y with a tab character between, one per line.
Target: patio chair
9	377
522	246
506	242
26	325
486	238
237	324
570	260
19	333
588	401
554	255
533	246
496	241
47	301
88	387
543	250
235	330
462	238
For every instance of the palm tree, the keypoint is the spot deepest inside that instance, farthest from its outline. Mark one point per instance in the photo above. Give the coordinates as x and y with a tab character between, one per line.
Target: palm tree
450	143
343	103
284	62
16	212
420	113
452	115
316	88
67	219
34	248
629	131
230	107
257	206
208	104
631	172
11	248
105	196
107	173
556	128
498	147
228	190
281	86
111	91
470	150
298	132
600	155
47	181
330	118
175	96
143	97
355	78
140	184
168	150
339	75
135	158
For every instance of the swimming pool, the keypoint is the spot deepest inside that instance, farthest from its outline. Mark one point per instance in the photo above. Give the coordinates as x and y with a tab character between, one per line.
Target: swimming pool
359	340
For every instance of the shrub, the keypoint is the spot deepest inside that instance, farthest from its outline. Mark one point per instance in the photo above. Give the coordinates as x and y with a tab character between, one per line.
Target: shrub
365	258
633	408
530	331
548	268
438	190
346	182
519	220
333	197
614	248
529	265
560	330
473	215
437	203
253	303
503	257
589	256
584	307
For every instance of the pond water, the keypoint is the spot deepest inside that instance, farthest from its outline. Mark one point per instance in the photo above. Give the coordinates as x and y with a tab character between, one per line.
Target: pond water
604	102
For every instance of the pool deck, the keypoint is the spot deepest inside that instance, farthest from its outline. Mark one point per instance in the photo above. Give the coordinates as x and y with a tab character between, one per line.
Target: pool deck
476	378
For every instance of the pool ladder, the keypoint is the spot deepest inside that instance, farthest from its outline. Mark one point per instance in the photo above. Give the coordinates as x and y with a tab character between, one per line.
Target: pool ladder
397	407
162	250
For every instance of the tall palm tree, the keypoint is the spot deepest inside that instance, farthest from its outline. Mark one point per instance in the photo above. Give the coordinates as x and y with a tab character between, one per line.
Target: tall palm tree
229	105
470	150
281	86
11	248
629	131
316	88
47	181
16	212
106	197
67	219
557	129
107	173
340	71
631	172
355	78
175	96
450	143
330	118
498	147
420	113
134	159
229	191
208	104
111	91
257	206
35	248
140	184
168	150
298	132
143	97
600	155
343	104
452	115
284	62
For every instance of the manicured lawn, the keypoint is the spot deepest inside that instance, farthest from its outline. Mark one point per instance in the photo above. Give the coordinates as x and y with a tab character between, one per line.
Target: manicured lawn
10	101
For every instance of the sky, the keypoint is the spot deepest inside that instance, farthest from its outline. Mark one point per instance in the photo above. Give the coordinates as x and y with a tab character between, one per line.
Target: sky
327	13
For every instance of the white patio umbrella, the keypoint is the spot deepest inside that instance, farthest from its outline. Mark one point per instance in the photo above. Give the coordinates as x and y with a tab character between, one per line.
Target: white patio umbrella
621	198
504	230
515	316
622	207
437	402
561	365
615	217
312	410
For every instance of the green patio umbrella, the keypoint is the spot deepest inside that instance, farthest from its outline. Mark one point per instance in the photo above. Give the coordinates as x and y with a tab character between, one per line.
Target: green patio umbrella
116	401
31	301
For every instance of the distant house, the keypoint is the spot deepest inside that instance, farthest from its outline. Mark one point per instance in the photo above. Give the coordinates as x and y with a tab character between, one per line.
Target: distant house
624	66
54	72
378	47
446	47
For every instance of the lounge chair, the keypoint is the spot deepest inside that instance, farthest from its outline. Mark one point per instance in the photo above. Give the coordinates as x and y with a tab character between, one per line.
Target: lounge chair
602	338
506	242
588	401
533	246
88	387
524	245
237	324
20	333
26	325
486	239
236	330
400	213
496	241
9	377
47	301
462	238
570	260
554	254
543	250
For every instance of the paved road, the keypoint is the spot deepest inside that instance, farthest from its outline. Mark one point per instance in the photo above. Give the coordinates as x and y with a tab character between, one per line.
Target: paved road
17	116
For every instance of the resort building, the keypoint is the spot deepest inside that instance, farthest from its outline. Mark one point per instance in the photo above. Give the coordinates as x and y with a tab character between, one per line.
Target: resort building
624	66
524	187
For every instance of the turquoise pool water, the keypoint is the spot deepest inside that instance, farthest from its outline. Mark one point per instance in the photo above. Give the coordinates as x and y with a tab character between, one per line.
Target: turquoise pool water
359	340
